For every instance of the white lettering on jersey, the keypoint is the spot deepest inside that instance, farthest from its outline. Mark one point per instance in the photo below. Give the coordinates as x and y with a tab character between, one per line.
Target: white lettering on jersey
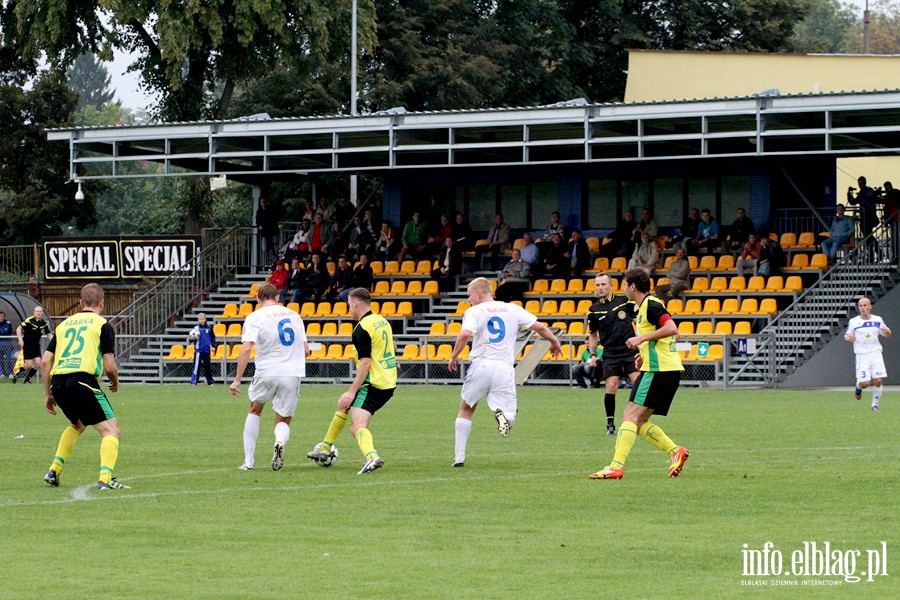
495	326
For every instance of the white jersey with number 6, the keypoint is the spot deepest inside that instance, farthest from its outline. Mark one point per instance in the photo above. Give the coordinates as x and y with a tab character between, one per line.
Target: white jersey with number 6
279	336
495	326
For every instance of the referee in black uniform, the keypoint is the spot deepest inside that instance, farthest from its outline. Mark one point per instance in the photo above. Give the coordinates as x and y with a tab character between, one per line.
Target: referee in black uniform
610	323
30	332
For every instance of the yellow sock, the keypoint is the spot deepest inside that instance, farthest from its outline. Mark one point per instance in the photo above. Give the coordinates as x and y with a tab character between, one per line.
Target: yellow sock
66	443
656	436
365	442
336	427
109	453
624	442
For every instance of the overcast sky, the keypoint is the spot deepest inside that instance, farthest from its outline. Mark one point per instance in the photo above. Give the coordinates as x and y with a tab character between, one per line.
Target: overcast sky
126	84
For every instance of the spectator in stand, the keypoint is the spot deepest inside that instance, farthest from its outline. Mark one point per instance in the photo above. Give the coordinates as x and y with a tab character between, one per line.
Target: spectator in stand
578	254
296	282
344	212
319	235
279	276
841	230
867	200
707	232
371	224
679	274
499	236
6	347
646	255
689	228
740	231
360	277
556	264
340	280
546	240
771	257
529	251
436	240
361	242
449	266
415	234
749	255
268	228
309	211
327	209
516	278
34	288
583	371
645	224
299	245
463	238
316	278
335	245
618	243
384	246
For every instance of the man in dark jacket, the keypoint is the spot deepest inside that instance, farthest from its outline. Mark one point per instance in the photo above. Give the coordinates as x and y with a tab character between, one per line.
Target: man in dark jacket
340	280
578	254
360	277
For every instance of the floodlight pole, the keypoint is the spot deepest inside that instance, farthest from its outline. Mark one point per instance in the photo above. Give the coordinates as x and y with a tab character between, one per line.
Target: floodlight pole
865	28
354	52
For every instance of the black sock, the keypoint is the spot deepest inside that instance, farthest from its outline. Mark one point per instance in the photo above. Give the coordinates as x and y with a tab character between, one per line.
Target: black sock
609	401
30	374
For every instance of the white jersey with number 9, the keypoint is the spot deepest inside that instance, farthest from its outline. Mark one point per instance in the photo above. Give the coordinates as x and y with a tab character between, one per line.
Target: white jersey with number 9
495	326
280	339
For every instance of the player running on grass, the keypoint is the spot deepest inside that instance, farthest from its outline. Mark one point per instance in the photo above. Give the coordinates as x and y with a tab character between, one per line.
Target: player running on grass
70	381
863	332
655	388
281	350
493	326
373	386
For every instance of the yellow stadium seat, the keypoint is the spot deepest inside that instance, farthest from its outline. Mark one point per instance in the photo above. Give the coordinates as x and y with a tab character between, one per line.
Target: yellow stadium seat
430	352
388	308
693	262
410	352
711	306
438	329
768	306
517	244
737	284
461	307
235	351
726	263
229	312
414	288
583	307
391	267
335	352
686	328
330	266
619	265
464	355
294	306
329	329
549	308
775	283
254	289
234	330
454	328
788	239
382	288
730	306
318	353
575	328
717	285
345	330
176	352
708	263
756	284
533	306
723	328
444	352
601	265
590	286
408	267
340	309
661	242
245	310
576	286
793	284
423	267
219	353
541	286
398	288
807	239
692	307
567	308
253	352
692	355
668	263
558	286
800	261
375	308
704	328
219	330
313	329
675	306
748	307
349	352
714	353
430	288
593	243
377	267
323	309
404	309
700	284
818	261
662	281
308	309
188	352
742	328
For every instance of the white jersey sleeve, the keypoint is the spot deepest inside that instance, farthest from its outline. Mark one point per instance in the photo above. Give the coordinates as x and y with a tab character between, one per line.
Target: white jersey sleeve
495	326
279	336
866	332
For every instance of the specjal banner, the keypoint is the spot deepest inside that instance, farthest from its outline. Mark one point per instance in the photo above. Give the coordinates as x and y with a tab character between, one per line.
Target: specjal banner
132	257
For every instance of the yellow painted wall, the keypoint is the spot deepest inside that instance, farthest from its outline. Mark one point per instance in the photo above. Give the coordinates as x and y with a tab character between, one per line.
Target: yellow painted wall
655	75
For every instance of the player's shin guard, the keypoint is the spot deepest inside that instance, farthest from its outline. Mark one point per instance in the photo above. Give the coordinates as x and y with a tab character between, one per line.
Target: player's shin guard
624	442
282	433
109	453
656	436
251	434
463	429
365	442
334	430
66	444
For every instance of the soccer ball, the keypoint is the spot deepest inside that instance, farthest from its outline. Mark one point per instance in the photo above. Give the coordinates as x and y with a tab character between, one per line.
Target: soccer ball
330	458
194	334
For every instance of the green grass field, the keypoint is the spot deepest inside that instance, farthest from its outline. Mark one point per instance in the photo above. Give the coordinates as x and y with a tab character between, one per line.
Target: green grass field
521	520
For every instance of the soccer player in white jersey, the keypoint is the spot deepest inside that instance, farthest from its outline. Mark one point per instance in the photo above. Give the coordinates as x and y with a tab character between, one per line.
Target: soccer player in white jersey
863	332
281	350
493	327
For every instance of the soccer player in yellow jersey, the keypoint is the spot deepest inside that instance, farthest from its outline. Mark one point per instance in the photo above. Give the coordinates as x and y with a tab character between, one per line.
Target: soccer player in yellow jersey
373	386
80	352
655	388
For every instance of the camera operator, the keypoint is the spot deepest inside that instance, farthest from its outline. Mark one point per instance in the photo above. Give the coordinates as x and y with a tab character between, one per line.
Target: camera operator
867	199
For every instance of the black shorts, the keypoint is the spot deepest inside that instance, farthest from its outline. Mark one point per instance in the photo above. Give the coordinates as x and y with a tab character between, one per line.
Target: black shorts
29	352
656	390
619	366
370	398
81	399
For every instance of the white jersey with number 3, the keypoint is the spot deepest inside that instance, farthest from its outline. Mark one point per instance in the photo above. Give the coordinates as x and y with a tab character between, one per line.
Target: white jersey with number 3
279	336
495	326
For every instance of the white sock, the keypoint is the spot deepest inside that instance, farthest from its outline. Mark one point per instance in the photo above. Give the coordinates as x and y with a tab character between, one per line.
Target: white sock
251	433
282	433
876	395
463	429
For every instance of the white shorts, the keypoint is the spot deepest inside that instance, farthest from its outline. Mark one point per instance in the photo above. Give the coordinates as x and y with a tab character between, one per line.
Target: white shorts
870	365
282	391
494	379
